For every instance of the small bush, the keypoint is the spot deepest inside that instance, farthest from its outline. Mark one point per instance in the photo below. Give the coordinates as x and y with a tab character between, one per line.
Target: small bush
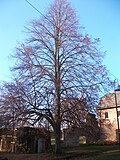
22	148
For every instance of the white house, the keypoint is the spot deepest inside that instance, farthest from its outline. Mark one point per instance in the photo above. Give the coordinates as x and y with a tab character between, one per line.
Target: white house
109	116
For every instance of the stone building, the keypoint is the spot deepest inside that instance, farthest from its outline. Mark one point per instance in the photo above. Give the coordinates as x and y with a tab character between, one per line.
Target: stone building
87	133
108	116
6	139
32	140
24	139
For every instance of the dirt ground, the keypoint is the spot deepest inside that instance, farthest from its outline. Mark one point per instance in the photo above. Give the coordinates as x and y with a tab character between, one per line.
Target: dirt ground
26	156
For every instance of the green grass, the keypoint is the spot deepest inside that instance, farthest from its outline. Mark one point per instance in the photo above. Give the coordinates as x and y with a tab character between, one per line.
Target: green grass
96	152
83	152
101	148
115	155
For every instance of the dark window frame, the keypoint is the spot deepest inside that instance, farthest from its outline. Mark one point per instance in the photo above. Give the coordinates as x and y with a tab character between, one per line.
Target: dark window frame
118	113
106	115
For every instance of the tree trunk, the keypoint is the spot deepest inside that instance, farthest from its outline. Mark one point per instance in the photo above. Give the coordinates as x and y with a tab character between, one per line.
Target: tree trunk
57	124
57	138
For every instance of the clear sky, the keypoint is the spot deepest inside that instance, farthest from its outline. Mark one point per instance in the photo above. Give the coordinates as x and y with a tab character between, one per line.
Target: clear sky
101	18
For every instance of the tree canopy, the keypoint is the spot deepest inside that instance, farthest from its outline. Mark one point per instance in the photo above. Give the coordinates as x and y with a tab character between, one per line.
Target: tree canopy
59	68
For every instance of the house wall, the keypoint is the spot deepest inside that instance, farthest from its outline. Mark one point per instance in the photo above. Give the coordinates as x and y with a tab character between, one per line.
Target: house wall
108	125
89	132
71	136
25	139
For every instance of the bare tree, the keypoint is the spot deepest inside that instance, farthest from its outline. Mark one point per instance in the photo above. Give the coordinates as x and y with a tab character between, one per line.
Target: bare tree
12	106
58	61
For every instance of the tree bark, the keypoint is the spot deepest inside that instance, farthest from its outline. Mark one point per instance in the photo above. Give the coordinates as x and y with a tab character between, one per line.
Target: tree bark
57	138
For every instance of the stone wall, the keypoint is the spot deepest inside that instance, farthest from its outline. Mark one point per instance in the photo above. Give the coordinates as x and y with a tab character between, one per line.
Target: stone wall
108	125
89	132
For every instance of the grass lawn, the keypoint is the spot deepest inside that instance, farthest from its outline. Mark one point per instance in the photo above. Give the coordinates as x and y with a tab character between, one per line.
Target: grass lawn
113	155
97	152
14	156
83	152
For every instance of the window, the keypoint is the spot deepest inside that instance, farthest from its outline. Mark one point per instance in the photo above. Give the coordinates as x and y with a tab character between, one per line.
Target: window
106	114
118	113
82	140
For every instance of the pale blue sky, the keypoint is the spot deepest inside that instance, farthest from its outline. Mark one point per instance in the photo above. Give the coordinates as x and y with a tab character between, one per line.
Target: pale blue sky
101	18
